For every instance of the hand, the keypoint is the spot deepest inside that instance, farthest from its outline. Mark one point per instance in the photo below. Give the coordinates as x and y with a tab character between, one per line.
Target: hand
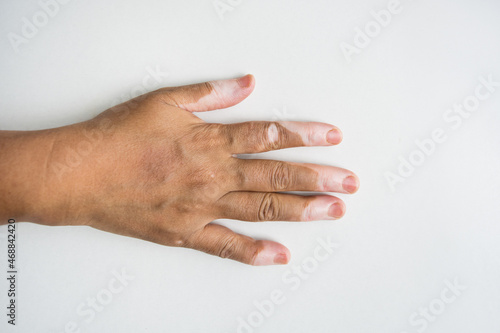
151	169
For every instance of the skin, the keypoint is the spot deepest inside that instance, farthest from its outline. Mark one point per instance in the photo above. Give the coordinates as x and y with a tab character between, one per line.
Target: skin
151	169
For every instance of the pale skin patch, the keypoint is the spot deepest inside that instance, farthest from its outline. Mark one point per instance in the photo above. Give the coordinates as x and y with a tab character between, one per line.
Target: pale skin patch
186	97
268	255
213	94
221	92
272	133
312	133
323	208
331	179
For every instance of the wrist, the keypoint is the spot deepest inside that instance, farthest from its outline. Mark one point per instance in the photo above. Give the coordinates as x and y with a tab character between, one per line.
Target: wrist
29	190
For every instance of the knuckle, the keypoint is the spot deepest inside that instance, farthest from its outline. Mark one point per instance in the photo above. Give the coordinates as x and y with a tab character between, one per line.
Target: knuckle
199	176
228	248
275	136
227	133
281	177
270	208
210	135
239	177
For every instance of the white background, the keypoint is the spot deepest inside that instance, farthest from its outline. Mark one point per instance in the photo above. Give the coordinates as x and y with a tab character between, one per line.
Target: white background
396	249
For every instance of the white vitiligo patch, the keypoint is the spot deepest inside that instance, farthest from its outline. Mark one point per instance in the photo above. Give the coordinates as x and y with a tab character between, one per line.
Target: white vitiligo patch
272	133
330	178
312	133
317	210
223	92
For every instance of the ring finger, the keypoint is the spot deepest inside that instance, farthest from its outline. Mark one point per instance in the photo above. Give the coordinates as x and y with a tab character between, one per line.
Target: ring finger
279	176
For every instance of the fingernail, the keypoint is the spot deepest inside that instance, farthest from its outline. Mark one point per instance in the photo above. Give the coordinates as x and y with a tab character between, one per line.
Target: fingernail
245	81
336	210
322	208
266	257
350	184
334	136
281	259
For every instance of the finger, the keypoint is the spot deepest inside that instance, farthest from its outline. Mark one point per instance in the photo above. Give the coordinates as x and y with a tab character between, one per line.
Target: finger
268	206
260	136
225	243
279	176
210	95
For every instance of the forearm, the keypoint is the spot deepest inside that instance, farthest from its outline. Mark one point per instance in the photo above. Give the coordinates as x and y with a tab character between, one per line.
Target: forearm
26	192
